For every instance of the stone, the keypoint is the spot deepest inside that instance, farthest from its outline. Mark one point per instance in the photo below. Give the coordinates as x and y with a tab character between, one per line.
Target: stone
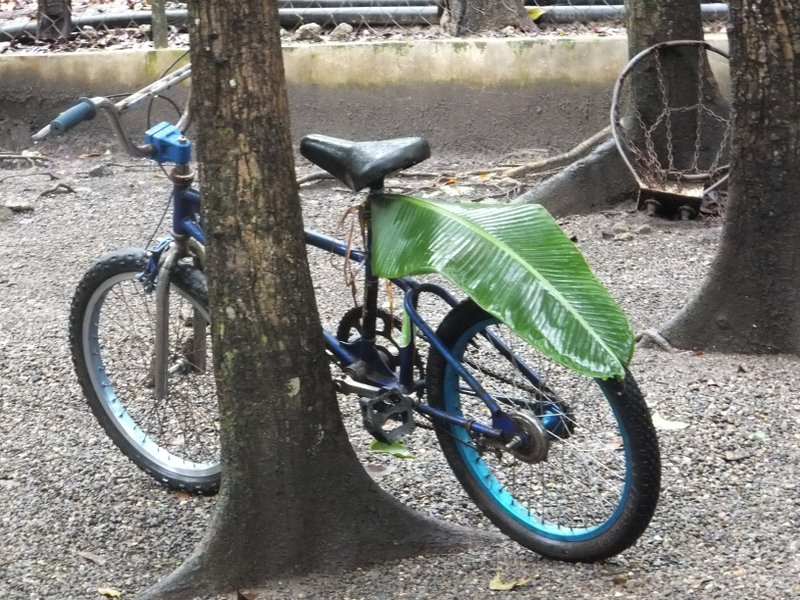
19	206
100	171
308	32
342	32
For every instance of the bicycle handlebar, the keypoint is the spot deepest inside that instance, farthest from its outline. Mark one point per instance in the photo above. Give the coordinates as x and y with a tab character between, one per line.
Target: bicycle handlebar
86	109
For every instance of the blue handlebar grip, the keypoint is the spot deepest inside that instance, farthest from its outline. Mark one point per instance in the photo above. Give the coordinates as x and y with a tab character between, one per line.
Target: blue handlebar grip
83	110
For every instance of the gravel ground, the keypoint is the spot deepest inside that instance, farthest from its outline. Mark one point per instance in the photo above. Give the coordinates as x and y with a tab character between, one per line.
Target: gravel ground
76	516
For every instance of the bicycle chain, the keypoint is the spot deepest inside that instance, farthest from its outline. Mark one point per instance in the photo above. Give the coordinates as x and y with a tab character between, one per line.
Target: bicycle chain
502	378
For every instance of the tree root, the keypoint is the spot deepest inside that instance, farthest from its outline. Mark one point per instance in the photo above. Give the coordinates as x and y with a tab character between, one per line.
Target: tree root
61	188
651	338
540	167
593	183
26	174
388	531
31	158
562	160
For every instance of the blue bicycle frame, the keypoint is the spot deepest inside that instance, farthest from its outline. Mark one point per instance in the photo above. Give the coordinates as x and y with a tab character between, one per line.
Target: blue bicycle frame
362	353
167	143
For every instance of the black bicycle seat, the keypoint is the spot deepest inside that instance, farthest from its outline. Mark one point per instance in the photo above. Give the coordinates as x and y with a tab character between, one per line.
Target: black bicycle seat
363	164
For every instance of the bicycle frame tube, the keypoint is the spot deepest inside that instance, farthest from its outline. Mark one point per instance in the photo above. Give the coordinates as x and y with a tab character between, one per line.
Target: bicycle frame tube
186	206
502	426
405	377
332	245
160	358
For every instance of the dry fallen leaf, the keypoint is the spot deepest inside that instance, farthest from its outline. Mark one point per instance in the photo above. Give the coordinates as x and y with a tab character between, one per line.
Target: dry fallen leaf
109	592
663	424
379	470
498	584
737	456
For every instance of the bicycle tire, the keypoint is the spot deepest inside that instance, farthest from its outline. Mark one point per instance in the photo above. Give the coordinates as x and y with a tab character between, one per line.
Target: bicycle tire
543	512
112	320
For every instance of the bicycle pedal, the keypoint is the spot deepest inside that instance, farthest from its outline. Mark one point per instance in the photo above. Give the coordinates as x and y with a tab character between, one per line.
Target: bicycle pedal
388	416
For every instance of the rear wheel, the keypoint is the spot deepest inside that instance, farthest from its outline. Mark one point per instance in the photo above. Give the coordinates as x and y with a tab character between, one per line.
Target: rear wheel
175	439
584	482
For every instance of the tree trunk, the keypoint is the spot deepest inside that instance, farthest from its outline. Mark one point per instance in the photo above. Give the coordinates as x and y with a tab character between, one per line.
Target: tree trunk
465	17
685	77
602	179
294	497
652	21
53	19
158	23
748	302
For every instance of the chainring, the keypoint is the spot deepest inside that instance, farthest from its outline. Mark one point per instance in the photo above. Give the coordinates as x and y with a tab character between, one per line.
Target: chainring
388	348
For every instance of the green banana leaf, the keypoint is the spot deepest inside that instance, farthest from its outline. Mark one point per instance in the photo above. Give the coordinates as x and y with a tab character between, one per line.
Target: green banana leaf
517	264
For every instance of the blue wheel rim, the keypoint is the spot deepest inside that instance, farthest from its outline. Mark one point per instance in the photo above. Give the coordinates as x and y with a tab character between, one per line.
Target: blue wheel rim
483	475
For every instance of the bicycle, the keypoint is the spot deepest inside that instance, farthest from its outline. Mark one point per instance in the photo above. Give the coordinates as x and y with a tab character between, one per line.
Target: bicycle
589	460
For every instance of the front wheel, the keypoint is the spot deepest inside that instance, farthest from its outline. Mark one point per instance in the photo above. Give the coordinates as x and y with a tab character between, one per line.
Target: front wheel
174	436
584	485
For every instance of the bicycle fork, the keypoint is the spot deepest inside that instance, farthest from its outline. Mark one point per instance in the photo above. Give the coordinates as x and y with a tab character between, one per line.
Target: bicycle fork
195	355
161	353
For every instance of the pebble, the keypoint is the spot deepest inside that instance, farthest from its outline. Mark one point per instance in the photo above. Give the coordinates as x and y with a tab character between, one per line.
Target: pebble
76	515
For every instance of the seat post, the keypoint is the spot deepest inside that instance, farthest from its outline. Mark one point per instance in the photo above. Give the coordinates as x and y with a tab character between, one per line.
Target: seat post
376	188
369	314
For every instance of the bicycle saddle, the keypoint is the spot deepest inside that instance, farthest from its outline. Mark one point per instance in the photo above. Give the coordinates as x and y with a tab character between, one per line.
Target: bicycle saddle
362	164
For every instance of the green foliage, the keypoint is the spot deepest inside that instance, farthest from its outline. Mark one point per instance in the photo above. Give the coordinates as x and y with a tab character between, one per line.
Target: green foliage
396	449
518	265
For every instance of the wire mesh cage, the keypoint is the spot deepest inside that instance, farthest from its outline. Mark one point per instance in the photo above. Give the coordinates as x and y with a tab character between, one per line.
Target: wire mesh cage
46	25
670	119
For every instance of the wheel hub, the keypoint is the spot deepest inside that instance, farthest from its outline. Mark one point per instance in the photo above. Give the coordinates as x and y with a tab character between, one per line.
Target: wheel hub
532	441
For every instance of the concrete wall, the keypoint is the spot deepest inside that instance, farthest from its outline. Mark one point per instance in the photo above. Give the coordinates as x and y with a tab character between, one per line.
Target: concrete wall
467	96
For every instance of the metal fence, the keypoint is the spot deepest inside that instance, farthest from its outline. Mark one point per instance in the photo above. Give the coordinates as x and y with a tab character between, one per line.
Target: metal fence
108	24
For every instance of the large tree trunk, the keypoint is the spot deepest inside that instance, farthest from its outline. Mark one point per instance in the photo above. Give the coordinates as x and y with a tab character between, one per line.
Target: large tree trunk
53	19
652	21
749	301
602	179
465	17
294	497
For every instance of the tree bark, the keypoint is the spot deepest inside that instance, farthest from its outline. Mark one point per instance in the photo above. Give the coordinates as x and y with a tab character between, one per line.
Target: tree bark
652	21
54	19
748	302
294	497
465	17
